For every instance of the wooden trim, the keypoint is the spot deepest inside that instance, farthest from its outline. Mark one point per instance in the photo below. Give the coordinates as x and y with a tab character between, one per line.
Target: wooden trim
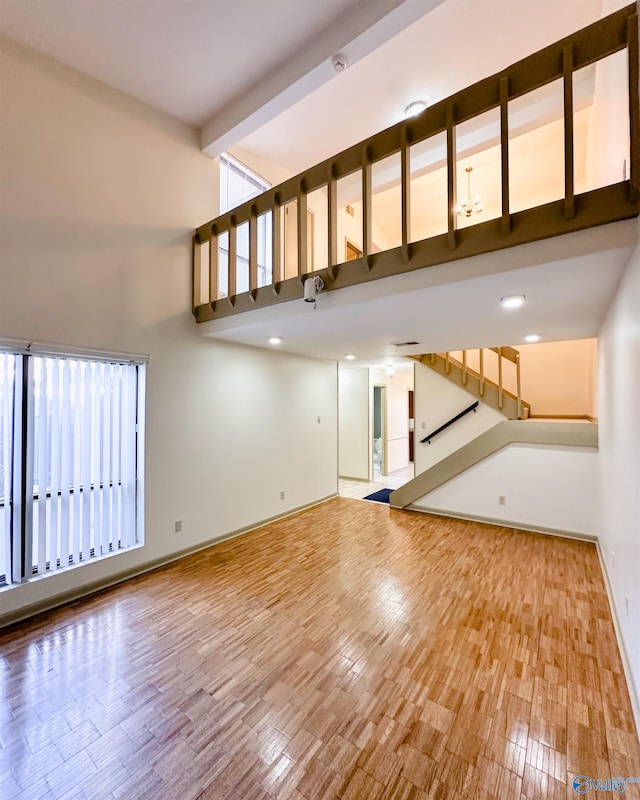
598	207
232	266
634	110
452	190
367	215
276	247
510	353
196	274
602	38
253	255
332	233
213	268
504	153
303	237
569	188
405	197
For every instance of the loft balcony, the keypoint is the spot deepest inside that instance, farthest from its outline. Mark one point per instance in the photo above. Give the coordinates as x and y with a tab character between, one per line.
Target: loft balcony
553	143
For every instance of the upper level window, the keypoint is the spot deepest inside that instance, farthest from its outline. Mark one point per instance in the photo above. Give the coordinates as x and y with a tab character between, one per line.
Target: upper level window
238	183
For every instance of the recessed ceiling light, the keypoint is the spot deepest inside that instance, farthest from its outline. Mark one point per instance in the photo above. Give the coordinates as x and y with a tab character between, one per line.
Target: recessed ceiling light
532	337
512	300
350	357
415	108
275	339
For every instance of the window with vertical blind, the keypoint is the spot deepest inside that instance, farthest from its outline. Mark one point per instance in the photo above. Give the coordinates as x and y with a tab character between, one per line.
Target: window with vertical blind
71	456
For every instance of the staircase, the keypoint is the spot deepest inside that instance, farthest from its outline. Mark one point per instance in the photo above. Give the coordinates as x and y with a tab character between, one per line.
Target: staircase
475	381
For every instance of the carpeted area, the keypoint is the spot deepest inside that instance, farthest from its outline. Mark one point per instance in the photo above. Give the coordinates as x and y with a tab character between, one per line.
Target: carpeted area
381	496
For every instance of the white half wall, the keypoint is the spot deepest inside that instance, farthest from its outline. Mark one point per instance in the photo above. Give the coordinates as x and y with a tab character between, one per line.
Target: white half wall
437	400
354	432
544	487
619	429
100	196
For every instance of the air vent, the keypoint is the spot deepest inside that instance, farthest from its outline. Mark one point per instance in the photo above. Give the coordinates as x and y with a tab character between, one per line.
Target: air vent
404	344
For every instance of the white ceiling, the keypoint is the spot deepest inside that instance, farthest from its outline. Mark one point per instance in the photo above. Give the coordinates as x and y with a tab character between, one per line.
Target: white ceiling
257	74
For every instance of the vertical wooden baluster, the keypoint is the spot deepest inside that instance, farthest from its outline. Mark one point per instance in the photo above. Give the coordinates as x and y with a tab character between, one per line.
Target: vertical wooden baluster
213	268
432	358
519	387
196	273
447	363
253	254
452	191
405	189
500	391
233	261
276	245
464	368
481	355
302	233
504	152
332	200
634	110
569	188
366	212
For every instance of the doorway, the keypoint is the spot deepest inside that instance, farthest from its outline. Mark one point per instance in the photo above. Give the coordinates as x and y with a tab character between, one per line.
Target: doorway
379	441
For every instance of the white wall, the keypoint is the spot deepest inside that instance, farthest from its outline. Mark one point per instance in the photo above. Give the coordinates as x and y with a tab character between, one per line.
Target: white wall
543	486
619	429
437	400
100	196
397	419
354	431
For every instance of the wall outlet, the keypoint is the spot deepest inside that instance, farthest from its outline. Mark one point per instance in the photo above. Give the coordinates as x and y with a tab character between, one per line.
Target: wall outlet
178	526
502	500
282	495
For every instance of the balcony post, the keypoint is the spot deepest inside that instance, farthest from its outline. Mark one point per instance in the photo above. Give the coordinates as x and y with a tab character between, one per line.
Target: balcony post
569	188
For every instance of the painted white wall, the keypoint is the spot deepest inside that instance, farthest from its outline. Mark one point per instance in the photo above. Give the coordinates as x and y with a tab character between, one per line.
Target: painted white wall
543	486
619	431
398	387
354	422
436	400
100	196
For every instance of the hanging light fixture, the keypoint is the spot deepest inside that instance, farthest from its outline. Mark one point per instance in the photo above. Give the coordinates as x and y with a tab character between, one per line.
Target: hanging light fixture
469	205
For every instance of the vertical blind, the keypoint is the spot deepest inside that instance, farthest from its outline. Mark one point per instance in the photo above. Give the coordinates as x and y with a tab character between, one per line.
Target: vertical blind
70	440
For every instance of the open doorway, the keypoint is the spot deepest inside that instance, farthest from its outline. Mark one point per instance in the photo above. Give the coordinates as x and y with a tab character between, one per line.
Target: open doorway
379	442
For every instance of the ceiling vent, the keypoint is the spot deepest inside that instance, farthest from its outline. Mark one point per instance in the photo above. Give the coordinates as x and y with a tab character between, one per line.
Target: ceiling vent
404	344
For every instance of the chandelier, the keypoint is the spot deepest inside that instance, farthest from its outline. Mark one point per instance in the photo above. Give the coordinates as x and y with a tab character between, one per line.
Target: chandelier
469	205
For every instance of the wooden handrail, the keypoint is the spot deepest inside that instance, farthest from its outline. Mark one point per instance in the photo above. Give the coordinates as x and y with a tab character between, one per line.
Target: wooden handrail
558	61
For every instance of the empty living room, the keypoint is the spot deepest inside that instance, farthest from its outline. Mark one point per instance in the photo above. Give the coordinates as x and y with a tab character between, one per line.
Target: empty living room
252	254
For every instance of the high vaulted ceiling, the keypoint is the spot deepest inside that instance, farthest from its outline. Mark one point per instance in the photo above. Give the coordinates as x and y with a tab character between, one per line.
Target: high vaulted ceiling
257	74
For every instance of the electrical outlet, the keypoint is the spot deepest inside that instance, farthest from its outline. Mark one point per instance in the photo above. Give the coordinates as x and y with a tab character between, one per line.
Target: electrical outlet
178	526
502	500
282	495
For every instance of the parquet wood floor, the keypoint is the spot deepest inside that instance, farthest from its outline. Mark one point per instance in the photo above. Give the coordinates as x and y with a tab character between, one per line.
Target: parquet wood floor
351	652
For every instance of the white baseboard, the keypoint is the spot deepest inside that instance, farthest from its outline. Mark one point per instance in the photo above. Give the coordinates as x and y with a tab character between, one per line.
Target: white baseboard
62	598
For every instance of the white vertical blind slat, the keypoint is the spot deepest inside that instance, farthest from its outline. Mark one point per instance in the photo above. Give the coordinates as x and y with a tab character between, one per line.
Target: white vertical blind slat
76	497
117	470
40	421
6	415
106	459
54	503
66	466
85	459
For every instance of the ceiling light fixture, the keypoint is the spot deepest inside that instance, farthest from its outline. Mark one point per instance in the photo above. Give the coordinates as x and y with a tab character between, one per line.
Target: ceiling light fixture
390	371
350	357
275	339
470	205
415	108
532	338
512	300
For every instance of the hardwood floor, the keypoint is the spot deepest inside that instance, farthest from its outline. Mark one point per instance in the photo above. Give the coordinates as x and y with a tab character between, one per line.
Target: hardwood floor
351	651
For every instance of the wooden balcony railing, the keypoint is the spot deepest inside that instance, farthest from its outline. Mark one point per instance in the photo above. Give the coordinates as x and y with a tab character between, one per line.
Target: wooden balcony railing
572	211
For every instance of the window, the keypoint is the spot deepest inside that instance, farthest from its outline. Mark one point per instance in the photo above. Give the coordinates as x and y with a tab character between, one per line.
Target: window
71	459
237	185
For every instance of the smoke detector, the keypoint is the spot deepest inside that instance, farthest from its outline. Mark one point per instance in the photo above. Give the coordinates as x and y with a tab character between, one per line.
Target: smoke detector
339	62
